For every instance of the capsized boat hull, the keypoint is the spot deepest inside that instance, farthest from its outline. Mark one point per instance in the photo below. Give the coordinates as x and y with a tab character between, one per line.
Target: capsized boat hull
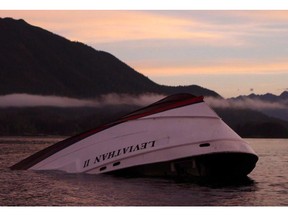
180	131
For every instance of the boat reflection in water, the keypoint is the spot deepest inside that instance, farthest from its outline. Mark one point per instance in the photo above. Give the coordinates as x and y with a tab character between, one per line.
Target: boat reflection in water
178	136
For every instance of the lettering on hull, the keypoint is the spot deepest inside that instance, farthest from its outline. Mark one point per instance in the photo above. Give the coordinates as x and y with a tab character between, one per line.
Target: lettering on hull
118	152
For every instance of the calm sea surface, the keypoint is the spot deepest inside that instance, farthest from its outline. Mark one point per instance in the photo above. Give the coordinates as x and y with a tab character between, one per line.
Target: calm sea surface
267	185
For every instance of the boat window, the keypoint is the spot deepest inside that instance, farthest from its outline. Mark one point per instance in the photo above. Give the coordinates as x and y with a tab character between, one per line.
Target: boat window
116	163
102	168
204	145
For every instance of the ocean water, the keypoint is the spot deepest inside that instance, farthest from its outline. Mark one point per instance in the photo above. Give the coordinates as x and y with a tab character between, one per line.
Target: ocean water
266	185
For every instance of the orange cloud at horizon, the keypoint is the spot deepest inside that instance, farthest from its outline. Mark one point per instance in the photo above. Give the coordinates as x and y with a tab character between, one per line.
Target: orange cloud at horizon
100	26
229	67
110	26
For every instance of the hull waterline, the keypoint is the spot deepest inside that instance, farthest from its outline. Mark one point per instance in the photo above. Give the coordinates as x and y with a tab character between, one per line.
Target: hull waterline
222	165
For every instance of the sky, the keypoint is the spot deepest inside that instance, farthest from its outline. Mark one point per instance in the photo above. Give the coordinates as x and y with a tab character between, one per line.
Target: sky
233	52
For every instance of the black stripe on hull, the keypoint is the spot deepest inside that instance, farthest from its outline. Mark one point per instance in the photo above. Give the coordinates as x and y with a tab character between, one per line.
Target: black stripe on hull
217	165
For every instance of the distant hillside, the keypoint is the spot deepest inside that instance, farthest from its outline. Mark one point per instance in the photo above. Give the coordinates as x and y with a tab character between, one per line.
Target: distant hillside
36	121
269	104
35	61
253	124
282	98
16	121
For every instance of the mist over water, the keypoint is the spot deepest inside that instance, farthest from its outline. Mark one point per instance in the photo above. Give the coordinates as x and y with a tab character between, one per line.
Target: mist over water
28	100
245	103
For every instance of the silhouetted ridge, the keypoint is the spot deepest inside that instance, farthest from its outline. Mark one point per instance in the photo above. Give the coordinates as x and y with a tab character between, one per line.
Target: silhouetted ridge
36	61
284	95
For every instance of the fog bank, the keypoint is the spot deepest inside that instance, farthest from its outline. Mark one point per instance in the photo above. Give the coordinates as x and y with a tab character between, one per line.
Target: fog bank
247	103
28	100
